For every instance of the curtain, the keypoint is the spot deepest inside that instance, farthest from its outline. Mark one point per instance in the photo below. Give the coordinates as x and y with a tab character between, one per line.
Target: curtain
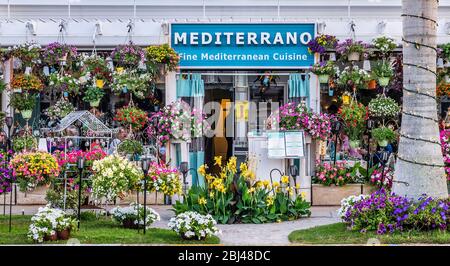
192	87
299	87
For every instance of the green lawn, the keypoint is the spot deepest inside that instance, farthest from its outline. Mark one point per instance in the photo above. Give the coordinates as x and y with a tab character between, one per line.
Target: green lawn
338	234
101	231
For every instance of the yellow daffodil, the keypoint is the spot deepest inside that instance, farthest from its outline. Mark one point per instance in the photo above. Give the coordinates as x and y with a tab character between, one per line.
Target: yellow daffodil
297	186
202	169
243	167
285	179
269	201
202	201
231	165
218	160
211	194
209	177
251	190
276	184
303	194
266	183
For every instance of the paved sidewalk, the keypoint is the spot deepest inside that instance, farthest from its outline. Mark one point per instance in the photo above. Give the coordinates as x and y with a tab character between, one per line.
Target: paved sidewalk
238	234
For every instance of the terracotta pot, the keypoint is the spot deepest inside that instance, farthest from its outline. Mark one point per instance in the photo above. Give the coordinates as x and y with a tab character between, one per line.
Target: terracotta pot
372	84
53	237
64	234
128	223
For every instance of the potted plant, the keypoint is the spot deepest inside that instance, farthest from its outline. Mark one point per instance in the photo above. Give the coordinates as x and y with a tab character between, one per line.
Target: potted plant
28	53
354	117
192	225
114	176
60	109
372	83
56	53
26	83
65	82
131	81
162	55
292	116
383	107
133	216
351	49
132	117
384	135
34	168
97	67
383	71
353	77
128	55
93	95
324	70
384	44
49	224
24	143
164	179
322	43
24	103
132	147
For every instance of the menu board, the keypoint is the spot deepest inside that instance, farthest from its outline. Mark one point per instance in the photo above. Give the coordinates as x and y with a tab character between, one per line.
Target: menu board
275	145
289	144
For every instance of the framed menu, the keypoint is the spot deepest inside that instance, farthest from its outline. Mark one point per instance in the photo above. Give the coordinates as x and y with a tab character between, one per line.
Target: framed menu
294	142
288	144
276	145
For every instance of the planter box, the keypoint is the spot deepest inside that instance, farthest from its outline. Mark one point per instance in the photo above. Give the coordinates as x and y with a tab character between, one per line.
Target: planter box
332	195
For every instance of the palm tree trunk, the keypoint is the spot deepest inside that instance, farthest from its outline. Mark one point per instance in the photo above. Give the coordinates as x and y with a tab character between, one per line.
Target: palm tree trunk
420	160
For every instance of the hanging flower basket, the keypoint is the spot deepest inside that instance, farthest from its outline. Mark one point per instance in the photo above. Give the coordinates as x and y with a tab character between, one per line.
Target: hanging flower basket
323	78
26	114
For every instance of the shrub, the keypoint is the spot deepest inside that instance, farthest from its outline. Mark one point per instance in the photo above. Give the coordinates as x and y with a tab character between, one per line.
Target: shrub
134	215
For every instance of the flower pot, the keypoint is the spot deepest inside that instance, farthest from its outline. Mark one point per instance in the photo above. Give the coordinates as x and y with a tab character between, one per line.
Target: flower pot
129	223
53	237
64	234
324	78
383	143
26	114
94	103
99	83
372	84
353	56
383	81
354	144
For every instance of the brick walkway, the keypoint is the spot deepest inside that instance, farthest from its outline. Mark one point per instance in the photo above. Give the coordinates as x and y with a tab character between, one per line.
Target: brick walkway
238	234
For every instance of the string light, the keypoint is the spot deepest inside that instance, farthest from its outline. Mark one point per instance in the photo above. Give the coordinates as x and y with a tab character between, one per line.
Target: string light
420	138
419	116
400	157
420	93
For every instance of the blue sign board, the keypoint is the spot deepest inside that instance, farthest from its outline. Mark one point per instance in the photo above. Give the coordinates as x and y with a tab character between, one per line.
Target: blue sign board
243	46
